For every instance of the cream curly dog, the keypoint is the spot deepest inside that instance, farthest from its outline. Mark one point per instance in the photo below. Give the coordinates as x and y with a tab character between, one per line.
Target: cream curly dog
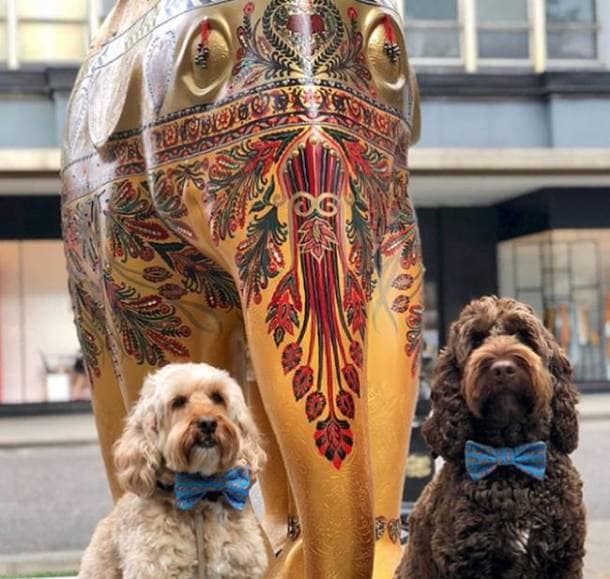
185	460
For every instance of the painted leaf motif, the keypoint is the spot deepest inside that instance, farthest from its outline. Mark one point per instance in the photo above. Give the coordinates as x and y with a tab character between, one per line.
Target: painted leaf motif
302	381
355	350
316	236
315	405
403	282
282	317
400	304
156	274
291	357
345	403
334	440
352	378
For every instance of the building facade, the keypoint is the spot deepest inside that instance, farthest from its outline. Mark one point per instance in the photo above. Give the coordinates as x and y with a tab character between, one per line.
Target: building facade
511	176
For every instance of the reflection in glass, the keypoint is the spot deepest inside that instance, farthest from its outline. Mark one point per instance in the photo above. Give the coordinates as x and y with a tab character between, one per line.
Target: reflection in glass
43	42
501	11
570	291
52	9
572	44
433	43
570	10
431	10
503	44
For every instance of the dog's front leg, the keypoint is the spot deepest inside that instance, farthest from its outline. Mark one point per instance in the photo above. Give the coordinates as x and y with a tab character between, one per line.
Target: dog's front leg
100	560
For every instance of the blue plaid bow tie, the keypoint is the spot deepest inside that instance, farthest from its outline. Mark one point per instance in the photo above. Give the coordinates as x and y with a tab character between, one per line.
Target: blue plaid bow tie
233	485
482	460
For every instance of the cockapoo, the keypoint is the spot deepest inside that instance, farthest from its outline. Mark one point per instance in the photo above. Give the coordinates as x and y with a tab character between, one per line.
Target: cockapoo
186	460
508	501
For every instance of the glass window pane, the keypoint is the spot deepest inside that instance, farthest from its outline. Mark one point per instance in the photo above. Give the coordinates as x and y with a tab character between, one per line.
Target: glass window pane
433	43
572	44
570	10
584	264
533	299
502	11
431	10
52	9
503	44
52	42
529	266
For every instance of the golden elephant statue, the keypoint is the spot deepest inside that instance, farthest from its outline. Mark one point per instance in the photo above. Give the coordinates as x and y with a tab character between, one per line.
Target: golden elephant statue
235	173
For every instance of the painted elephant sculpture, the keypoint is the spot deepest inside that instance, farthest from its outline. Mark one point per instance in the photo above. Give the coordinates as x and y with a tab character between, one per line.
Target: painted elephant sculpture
235	181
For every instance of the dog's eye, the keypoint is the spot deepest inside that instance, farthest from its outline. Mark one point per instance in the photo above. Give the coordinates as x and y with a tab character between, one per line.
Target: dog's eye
179	402
217	398
476	340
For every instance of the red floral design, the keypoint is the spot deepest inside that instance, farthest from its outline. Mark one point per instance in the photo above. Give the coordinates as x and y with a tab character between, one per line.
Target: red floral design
355	351
334	440
315	405
291	357
171	291
403	282
345	403
316	236
352	378
302	381
401	304
156	274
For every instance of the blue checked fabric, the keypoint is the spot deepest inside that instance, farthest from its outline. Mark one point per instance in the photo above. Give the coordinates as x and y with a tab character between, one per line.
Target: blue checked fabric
482	460
234	486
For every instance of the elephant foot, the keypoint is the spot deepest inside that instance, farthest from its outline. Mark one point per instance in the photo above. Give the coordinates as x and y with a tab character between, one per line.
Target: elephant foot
387	558
290	564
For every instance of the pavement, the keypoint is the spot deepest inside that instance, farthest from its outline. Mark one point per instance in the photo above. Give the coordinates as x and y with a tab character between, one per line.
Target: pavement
53	490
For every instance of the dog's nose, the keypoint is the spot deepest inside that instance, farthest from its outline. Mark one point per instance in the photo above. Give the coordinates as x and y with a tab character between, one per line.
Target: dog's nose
207	425
503	369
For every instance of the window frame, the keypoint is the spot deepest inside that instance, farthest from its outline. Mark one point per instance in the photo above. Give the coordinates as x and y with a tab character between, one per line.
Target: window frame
13	22
594	28
537	27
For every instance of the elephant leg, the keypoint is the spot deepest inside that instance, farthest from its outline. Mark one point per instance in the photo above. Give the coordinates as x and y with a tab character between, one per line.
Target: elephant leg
335	510
273	480
392	370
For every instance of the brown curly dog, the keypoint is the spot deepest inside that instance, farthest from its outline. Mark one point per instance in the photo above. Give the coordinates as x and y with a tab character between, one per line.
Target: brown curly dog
502	381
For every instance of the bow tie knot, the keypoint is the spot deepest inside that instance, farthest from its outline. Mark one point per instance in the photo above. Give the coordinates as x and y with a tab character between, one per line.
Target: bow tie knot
482	460
233	485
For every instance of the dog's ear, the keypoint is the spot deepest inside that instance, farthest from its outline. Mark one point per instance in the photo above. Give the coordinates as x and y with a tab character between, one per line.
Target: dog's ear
136	456
252	452
564	425
450	424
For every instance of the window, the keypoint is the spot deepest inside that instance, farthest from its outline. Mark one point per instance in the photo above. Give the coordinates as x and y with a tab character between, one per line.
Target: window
503	30
39	349
3	34
492	33
571	29
565	276
53	31
434	30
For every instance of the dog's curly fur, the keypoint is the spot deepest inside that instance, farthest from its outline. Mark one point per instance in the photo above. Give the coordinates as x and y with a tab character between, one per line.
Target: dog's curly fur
507	525
146	536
